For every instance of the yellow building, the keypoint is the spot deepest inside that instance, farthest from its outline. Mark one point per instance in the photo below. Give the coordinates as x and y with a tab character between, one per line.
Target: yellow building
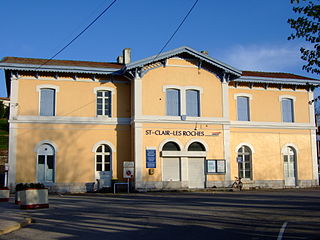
179	120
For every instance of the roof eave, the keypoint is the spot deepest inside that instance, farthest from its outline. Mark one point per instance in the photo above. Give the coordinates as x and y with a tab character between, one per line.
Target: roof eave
168	54
57	68
288	81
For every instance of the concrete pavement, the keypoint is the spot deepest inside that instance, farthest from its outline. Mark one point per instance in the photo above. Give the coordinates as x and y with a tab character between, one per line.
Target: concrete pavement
173	215
12	217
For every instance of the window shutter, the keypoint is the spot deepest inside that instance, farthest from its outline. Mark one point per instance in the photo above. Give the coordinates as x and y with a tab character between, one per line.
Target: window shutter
171	169
47	102
173	102
287	110
193	106
243	108
108	103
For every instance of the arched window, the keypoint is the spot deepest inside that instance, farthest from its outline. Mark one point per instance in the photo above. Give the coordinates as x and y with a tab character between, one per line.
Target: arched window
171	146
171	165
196	146
45	163
245	162
103	158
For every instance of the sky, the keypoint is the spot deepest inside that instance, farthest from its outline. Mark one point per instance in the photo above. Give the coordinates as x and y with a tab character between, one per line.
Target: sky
246	34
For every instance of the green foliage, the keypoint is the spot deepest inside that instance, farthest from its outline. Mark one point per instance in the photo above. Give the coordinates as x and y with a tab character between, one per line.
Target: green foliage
4	125
307	27
4	111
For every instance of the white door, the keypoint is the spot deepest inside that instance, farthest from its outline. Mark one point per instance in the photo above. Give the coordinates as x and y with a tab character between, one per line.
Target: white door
289	167
196	172
171	169
45	164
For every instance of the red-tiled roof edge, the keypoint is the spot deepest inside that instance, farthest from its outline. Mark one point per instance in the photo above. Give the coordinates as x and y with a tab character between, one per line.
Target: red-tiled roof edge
53	62
274	75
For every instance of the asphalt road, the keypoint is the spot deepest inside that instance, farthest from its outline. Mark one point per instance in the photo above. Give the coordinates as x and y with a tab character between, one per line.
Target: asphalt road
189	215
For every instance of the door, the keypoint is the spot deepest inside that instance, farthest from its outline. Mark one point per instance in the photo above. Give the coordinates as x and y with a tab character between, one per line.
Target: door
196	173
171	169
103	171
45	164
289	167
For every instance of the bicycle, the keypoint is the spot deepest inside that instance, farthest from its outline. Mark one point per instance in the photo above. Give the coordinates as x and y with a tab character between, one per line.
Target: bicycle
237	184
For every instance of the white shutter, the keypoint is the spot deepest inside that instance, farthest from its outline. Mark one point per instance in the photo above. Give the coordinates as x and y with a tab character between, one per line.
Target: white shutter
173	102
192	101
287	110
243	108
171	169
47	102
196	172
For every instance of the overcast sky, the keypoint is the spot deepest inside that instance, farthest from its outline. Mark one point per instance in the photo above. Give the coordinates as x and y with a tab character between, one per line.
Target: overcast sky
246	34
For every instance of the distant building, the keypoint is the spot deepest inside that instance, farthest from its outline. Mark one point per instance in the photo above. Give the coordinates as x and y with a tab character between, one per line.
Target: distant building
180	120
5	101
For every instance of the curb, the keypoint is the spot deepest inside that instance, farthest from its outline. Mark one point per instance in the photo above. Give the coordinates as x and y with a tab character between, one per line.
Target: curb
16	226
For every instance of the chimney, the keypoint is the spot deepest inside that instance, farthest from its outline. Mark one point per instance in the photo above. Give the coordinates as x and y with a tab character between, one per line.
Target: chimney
204	52
120	59
126	55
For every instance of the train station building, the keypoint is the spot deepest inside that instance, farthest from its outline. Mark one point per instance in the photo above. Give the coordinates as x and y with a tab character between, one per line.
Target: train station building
179	120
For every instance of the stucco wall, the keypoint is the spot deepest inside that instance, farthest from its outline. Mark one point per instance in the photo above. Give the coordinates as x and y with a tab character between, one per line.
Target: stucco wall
75	159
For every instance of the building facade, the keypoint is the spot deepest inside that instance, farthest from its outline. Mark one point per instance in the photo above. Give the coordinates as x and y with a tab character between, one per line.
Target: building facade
181	120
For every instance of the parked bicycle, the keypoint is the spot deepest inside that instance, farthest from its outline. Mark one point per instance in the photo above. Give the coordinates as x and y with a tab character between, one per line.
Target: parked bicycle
237	183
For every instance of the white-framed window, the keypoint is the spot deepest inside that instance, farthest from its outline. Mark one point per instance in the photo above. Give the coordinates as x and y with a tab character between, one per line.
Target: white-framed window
196	146
243	108
45	163
103	158
287	109
173	102
47	102
193	103
104	101
244	159
47	99
183	100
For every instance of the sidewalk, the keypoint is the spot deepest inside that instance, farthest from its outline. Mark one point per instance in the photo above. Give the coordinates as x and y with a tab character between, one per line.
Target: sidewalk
11	217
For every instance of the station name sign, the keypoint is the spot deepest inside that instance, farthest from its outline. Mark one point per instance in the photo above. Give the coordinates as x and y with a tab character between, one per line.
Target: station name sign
180	133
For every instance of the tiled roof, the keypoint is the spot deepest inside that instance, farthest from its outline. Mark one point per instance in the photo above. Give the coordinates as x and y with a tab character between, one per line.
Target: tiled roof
274	75
37	61
189	52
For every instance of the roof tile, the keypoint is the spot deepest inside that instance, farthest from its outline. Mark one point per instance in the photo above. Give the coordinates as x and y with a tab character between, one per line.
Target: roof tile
38	61
274	75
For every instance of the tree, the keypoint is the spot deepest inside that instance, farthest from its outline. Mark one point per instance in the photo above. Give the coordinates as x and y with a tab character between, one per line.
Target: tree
307	26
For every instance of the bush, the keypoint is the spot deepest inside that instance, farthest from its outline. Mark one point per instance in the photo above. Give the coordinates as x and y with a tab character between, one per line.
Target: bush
24	186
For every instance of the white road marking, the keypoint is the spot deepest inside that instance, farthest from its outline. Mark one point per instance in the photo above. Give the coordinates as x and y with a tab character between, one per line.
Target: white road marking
284	225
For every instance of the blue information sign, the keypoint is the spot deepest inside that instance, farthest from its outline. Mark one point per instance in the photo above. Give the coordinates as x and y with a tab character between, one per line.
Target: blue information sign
151	158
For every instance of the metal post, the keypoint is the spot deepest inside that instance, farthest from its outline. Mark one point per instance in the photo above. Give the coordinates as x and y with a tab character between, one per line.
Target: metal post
128	185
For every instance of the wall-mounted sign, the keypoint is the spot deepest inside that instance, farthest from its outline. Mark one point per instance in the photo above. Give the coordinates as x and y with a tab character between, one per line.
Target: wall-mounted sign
151	158
239	159
178	133
216	166
128	169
